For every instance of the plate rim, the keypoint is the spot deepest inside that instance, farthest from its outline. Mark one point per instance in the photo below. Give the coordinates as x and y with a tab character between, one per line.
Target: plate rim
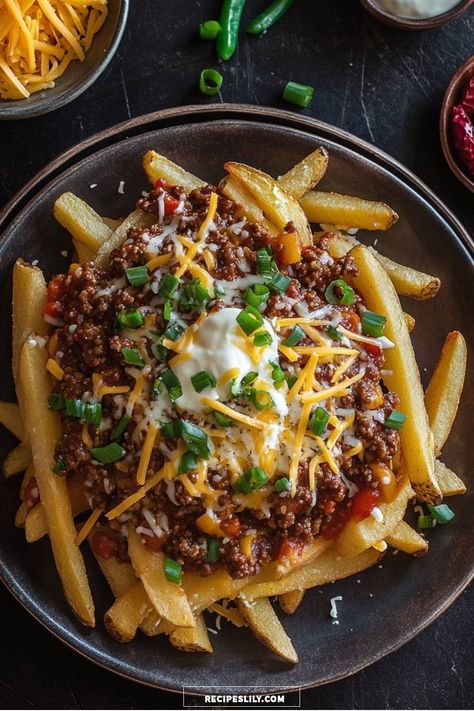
183	116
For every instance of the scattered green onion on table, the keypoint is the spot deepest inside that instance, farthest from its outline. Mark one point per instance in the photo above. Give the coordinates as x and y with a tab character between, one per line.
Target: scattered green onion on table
269	16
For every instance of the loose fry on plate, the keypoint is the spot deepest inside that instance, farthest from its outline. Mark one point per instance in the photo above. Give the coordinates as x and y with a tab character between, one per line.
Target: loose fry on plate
444	391
277	206
158	167
136	219
17	460
408	281
347	211
306	174
406	539
10	417
262	620
290	601
168	599
449	482
81	221
202	592
124	617
36	525
192	639
380	296
43	428
248	207
120	576
29	298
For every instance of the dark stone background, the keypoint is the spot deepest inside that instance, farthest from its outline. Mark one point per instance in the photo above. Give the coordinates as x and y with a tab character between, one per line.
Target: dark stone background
381	84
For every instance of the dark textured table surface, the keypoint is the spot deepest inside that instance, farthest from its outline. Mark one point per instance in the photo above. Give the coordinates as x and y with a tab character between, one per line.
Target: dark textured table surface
381	84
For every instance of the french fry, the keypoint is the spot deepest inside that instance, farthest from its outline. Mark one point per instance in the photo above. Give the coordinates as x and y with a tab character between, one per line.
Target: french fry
158	167
380	296
445	388
84	252
406	539
36	525
21	515
112	223
43	428
296	560
124	617
229	613
17	460
192	639
306	174
347	211
202	592
10	417
449	482
168	599
290	601
247	206
410	321
30	472
408	281
120	576
262	620
81	221
137	218
277	206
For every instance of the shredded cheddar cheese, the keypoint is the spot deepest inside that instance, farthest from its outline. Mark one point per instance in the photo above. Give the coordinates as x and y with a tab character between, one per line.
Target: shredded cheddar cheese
146	454
55	369
234	414
88	526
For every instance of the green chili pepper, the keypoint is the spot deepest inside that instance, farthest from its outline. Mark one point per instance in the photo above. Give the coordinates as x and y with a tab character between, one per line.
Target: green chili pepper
231	14
269	16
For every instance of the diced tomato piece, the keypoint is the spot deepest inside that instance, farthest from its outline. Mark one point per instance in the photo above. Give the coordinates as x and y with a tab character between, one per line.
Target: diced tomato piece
364	502
171	203
160	183
31	493
376	350
351	321
104	546
152	543
231	526
333	528
53	306
285	549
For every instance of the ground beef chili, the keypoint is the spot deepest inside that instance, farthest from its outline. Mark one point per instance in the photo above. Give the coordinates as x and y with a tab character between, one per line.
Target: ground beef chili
115	330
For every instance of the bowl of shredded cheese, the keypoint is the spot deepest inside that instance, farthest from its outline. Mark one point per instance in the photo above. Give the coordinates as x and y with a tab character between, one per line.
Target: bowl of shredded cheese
53	50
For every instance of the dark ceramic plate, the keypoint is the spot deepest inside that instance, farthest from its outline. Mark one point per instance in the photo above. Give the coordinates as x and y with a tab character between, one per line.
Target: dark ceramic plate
383	607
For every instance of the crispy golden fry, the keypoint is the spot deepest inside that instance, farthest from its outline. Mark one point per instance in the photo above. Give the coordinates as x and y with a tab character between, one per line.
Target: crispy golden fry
277	206
152	625
410	321
192	639
339	244
159	167
84	252
325	569
17	460
124	617
347	211
168	599
203	592
248	207
262	620
296	560
36	526
306	174
43	428
229	613
21	514
10	417
290	601
82	222
112	223
120	576
406	539
408	281
30	471
449	482
137	218
380	296
445	388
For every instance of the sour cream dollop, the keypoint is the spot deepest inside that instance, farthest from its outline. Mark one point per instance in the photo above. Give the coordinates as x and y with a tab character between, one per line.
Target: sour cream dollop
417	9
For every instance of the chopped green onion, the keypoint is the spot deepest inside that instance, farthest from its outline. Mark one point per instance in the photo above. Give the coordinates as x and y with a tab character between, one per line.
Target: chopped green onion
132	356
195	439
294	337
249	319
171	430
60	465
187	463
201	294
203	380
168	286
120	428
160	351
108	454
174	331
218	292
298	94
334	333
75	408
319	421
278	376
137	276
395	420
373	324
279	283
249	378
261	399
262	338
172	571
210	81
252	480
209	30
282	484
268	16
223	421
56	401
235	389
264	263
192	295
156	388
130	319
172	384
93	413
441	513
256	295
425	522
167	310
339	292
291	380
213	553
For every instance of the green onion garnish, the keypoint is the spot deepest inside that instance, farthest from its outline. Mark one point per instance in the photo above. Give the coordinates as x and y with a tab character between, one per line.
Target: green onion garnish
298	94
167	310
210	81
264	263
261	399
334	333
441	513
249	319
56	401
120	428
256	295
252	480
174	331
93	413
373	324
172	384
130	319
187	463
171	430
172	571
282	484
339	292
137	276
132	356
213	553
203	380
278	376
262	338
108	454
60	465
195	439
294	337
168	286
395	420
160	352
209	30
291	380
319	421
249	378
235	389
192	295
223	421
424	522
156	388
279	283
75	408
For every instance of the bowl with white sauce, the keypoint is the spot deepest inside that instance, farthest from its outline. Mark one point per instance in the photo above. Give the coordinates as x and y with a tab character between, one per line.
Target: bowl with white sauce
416	14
